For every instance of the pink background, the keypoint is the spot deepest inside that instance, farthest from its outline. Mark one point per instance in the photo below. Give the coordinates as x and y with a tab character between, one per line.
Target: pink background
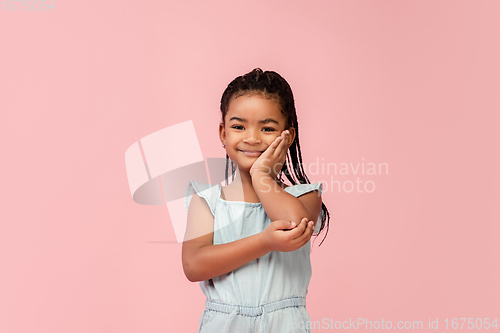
414	84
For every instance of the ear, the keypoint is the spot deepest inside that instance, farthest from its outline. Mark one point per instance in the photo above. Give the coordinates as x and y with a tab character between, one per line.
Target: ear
222	133
292	135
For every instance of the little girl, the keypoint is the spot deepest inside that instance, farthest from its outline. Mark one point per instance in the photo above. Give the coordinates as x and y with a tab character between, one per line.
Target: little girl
248	242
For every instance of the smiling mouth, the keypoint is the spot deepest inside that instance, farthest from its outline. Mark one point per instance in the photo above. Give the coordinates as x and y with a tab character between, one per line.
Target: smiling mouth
251	152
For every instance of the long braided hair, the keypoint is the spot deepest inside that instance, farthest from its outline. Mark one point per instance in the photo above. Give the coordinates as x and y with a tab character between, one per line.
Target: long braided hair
271	85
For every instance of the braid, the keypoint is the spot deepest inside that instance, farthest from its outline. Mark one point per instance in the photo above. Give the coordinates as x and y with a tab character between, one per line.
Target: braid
271	85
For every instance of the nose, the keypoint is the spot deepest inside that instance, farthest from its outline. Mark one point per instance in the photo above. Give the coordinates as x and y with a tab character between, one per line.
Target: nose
252	138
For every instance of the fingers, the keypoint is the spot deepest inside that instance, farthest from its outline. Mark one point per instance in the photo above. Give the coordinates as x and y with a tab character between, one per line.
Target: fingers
283	224
281	148
294	238
277	142
275	154
306	235
297	232
281	140
287	139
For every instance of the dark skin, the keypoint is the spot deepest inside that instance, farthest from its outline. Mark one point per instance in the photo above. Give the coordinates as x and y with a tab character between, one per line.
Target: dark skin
256	139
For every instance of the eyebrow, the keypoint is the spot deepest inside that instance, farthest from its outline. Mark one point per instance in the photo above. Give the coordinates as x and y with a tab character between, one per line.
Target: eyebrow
265	121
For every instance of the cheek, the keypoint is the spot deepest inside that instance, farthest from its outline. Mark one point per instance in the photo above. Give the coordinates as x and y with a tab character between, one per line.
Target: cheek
273	137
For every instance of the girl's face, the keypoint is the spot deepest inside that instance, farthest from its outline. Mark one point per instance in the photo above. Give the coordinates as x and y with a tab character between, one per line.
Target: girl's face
252	123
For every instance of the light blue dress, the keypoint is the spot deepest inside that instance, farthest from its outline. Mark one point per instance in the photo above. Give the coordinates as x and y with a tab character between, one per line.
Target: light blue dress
267	294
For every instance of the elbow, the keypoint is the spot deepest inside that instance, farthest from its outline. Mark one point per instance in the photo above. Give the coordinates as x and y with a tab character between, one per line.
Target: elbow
194	265
188	272
298	216
189	276
191	272
192	278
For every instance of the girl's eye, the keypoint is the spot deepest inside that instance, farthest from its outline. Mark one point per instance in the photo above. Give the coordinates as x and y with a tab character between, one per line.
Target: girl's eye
265	129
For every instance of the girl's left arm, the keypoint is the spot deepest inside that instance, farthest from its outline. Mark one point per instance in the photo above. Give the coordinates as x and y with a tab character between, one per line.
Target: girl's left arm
281	205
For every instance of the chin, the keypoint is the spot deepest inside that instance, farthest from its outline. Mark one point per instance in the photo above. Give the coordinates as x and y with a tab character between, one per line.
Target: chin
245	167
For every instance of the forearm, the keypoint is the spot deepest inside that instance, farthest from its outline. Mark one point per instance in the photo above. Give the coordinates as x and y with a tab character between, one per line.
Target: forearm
278	203
214	260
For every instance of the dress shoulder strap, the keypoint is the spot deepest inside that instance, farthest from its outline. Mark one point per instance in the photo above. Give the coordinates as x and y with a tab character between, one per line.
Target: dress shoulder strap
300	189
206	191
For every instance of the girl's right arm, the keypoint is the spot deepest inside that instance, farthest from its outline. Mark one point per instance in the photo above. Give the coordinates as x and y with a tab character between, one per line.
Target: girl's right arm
201	260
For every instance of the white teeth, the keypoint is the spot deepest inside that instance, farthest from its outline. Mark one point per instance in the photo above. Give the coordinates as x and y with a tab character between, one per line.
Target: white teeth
251	153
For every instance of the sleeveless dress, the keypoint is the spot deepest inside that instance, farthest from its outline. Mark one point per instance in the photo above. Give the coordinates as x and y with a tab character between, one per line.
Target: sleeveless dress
265	295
